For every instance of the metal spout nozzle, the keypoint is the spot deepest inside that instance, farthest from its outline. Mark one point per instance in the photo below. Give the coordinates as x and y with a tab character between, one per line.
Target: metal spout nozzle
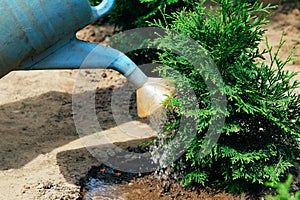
153	95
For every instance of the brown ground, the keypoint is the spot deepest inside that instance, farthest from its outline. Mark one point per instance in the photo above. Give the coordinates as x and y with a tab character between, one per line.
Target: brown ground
41	154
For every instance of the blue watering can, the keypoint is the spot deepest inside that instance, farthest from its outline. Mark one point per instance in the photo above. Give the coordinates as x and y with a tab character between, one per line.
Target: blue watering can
39	34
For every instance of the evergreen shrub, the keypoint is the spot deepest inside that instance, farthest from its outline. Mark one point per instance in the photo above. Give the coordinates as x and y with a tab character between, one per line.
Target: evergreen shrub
259	142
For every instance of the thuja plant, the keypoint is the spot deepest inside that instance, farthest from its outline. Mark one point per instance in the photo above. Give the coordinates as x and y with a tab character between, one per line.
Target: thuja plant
260	139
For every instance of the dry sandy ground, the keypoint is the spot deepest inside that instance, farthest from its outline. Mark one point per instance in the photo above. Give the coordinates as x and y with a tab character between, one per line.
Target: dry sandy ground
41	155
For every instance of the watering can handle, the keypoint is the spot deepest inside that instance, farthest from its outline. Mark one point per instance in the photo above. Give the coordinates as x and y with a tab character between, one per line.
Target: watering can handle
102	9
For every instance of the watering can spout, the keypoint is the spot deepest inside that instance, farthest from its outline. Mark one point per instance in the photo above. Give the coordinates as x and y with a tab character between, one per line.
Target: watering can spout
152	93
153	96
77	54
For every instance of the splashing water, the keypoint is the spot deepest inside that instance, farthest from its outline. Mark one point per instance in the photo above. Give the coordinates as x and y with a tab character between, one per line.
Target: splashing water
163	153
158	120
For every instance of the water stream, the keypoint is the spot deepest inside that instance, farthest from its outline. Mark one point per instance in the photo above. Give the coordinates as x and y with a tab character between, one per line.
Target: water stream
104	182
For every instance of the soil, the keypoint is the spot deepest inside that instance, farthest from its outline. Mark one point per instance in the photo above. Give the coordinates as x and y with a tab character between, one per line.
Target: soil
145	186
42	156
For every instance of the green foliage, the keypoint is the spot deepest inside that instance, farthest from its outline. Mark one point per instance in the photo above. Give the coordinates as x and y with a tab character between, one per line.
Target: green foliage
260	139
283	190
128	14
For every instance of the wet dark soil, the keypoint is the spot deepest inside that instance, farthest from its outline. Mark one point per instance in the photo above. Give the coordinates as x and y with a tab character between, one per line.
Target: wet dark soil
105	182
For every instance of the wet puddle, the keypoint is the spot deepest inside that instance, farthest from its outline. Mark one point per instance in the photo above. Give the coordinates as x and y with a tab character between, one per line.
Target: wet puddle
97	188
103	182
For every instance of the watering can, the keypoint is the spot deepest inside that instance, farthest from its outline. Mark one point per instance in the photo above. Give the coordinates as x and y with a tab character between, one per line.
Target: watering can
40	34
